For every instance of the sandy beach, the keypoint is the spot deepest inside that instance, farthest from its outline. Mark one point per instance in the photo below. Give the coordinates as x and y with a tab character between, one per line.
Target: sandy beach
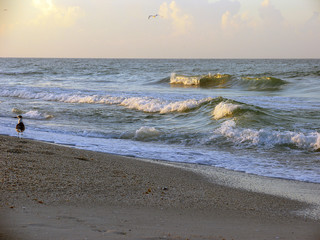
56	192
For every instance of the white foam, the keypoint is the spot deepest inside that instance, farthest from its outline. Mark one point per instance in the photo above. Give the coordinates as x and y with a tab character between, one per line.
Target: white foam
33	114
145	104
153	105
16	111
36	115
224	109
185	80
197	80
268	138
145	133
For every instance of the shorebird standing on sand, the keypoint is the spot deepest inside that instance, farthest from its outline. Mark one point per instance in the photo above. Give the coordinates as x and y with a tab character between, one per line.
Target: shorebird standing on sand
20	126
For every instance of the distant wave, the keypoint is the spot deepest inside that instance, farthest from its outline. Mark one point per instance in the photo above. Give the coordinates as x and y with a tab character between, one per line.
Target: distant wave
264	83
215	80
22	73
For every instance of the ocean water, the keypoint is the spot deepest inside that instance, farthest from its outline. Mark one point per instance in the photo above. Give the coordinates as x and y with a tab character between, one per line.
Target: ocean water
255	116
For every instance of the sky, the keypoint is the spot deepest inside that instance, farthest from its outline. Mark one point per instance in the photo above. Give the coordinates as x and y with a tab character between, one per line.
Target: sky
183	29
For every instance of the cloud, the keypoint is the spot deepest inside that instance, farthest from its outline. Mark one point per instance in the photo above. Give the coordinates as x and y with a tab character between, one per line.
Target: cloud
311	29
237	22
313	23
232	20
269	14
270	19
220	7
51	14
181	22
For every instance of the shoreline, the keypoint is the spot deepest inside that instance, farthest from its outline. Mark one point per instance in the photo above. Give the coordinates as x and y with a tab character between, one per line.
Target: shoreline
42	179
304	192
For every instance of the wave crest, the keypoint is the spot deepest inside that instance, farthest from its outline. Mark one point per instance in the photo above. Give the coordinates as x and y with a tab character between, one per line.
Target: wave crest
146	133
216	80
33	114
262	83
145	104
267	138
224	109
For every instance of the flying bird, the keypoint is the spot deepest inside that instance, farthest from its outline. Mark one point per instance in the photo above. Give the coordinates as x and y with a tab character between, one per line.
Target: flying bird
20	126
153	16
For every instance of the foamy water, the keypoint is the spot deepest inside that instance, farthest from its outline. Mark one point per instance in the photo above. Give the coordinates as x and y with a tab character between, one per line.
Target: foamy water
254	116
224	109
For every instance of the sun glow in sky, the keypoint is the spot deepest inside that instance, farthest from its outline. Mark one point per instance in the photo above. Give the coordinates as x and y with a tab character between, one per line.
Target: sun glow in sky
184	29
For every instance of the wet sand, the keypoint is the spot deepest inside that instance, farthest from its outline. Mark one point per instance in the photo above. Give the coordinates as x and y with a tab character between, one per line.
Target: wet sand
55	192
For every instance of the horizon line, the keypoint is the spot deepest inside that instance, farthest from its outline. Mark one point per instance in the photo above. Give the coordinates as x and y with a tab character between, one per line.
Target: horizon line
172	58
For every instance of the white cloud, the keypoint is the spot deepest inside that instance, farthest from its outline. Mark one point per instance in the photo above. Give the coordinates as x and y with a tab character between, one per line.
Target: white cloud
181	22
269	14
51	14
220	7
313	23
265	3
238	22
270	19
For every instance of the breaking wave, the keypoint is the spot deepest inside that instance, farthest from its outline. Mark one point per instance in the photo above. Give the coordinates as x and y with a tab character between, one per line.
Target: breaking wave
224	109
145	104
33	114
218	80
146	133
268	138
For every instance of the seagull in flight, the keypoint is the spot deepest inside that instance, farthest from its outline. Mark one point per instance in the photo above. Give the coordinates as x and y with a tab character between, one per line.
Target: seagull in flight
153	16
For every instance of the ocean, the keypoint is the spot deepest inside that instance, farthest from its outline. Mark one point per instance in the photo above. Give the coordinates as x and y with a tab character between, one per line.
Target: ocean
250	115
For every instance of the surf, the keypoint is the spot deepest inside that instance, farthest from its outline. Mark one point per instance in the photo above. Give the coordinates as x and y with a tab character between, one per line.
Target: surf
260	83
210	80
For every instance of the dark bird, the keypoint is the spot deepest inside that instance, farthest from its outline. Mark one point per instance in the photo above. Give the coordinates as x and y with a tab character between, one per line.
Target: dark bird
153	16
20	126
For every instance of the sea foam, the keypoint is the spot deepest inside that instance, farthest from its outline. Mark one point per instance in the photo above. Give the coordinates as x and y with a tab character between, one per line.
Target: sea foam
145	104
224	109
185	80
145	133
209	80
268	138
154	105
33	114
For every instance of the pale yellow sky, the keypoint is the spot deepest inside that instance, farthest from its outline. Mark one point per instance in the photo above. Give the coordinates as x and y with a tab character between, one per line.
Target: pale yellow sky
184	29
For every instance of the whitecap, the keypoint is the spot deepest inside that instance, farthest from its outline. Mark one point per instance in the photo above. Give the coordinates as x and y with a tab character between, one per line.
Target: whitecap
36	115
16	111
156	105
145	133
185	80
224	109
268	138
145	104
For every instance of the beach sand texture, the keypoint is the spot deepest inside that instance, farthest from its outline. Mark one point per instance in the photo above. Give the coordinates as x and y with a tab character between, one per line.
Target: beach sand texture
55	192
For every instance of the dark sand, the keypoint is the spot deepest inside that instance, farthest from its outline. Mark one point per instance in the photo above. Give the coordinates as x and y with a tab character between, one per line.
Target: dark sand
56	192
